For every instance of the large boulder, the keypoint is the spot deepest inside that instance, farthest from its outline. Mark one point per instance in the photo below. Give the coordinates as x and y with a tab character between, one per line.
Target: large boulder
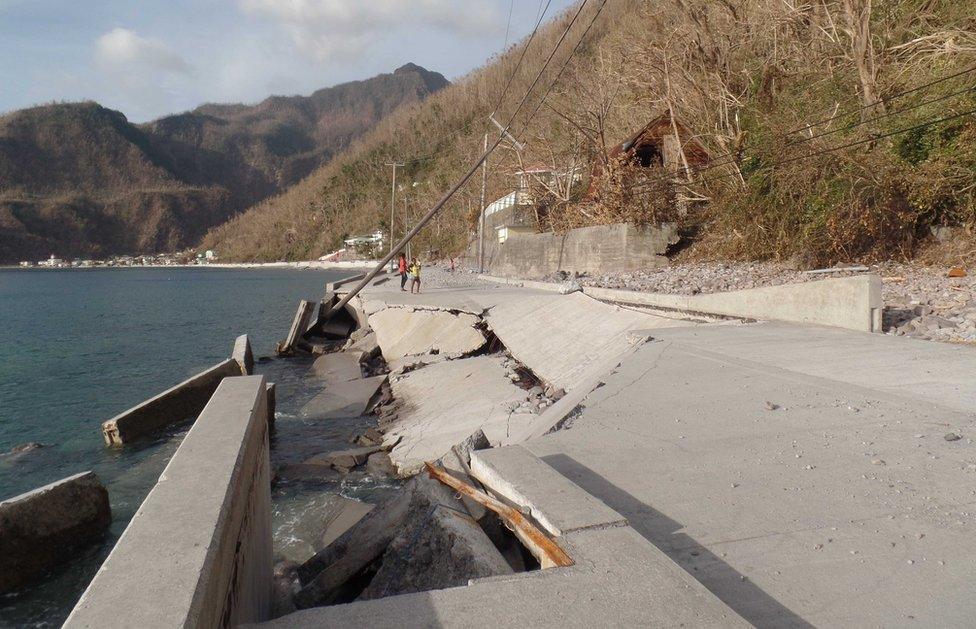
46	526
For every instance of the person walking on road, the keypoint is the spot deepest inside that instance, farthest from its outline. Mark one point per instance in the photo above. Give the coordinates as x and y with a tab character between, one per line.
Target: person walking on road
402	269
415	276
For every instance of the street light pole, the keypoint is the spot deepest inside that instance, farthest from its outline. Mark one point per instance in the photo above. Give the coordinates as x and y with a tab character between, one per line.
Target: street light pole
481	212
392	199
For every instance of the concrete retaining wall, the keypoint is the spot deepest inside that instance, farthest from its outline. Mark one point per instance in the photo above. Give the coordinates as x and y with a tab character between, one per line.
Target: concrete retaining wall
169	407
597	249
854	303
198	551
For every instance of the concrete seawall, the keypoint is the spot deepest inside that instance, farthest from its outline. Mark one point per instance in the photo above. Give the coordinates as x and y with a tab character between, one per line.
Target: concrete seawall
853	303
198	551
172	405
596	249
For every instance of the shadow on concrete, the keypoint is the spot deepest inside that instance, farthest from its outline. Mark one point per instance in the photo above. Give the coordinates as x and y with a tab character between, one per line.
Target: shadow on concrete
729	585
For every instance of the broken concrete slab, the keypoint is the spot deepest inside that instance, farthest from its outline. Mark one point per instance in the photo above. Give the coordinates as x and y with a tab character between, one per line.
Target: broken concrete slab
337	367
299	325
243	355
431	418
172	406
405	364
444	549
458	462
619	579
343	399
325	575
405	331
580	333
347	513
554	501
44	527
344	459
366	345
379	465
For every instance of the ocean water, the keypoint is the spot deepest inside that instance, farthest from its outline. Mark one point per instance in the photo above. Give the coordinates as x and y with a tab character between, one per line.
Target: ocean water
79	346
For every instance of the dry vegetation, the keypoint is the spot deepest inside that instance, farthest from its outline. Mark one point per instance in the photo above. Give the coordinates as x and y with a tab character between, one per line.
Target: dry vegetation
772	87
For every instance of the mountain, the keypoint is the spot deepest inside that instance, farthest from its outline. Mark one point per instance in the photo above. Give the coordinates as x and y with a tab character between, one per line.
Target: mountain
806	163
80	180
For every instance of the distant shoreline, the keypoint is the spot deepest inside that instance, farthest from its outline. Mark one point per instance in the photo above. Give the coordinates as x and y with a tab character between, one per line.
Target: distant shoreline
312	264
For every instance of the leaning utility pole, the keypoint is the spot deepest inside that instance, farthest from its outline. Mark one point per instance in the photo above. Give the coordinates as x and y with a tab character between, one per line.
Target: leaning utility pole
392	200
481	212
416	228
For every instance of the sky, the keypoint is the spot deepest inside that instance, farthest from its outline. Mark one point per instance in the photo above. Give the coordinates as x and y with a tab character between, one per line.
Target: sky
149	58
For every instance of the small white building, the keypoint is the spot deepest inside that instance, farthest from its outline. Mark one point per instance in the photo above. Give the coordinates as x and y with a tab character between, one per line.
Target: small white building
365	243
52	262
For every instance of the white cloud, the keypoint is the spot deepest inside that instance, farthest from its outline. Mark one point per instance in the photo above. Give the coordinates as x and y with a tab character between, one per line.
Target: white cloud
341	29
123	49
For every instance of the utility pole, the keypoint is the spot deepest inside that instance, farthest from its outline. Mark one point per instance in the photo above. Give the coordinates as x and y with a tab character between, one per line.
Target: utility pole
481	212
392	199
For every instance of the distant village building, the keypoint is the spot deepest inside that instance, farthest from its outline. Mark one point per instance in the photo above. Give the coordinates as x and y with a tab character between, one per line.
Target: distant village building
367	244
53	262
26	263
656	146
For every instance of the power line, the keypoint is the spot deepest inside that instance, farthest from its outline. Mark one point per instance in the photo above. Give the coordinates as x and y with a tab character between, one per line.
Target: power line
731	157
833	149
545	66
883	100
712	164
508	26
525	49
884	115
457	186
575	50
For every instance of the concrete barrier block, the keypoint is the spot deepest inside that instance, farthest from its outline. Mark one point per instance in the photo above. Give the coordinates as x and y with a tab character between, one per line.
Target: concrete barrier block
197	553
44	527
854	303
170	407
299	325
243	355
272	393
332	287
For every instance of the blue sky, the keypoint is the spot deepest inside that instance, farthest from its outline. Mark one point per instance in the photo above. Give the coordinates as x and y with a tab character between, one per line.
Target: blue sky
148	58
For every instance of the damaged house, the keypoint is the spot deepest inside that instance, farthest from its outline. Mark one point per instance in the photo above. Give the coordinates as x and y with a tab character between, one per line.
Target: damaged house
663	142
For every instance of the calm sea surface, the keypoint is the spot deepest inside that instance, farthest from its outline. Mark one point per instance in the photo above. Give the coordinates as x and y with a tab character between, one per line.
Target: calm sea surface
79	346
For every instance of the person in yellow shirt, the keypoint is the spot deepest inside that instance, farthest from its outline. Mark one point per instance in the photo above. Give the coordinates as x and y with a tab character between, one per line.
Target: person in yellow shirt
414	273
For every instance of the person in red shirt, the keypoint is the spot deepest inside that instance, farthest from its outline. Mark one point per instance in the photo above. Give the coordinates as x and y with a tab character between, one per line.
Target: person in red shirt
402	268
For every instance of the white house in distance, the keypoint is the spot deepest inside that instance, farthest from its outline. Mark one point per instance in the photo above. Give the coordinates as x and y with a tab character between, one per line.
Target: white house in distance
365	242
514	213
53	262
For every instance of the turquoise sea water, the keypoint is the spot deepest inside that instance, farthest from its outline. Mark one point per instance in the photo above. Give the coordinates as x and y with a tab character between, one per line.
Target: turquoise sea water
79	346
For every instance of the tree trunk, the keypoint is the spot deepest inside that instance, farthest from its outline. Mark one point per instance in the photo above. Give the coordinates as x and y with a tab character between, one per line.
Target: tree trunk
858	13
